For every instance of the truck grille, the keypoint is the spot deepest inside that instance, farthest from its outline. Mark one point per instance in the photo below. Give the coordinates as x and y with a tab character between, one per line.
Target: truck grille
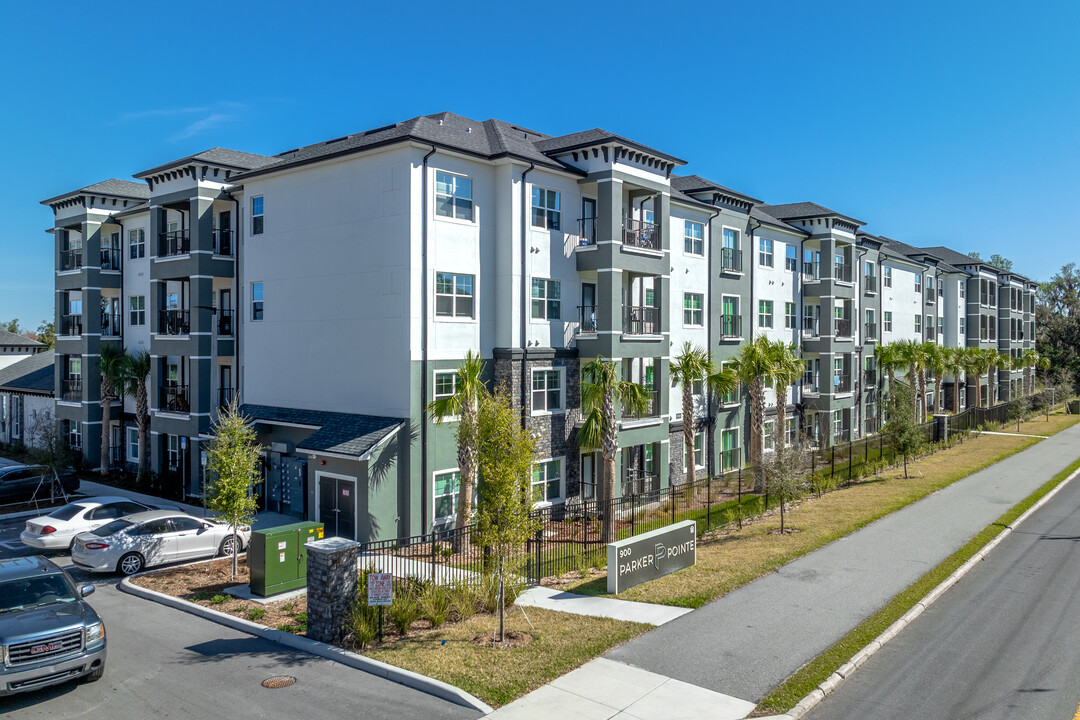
52	646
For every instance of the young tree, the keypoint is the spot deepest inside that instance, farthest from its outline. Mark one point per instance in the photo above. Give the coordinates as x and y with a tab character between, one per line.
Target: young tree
787	370
601	386
11	326
755	367
902	430
1018	408
692	366
46	334
505	454
232	470
787	471
136	377
468	391
112	363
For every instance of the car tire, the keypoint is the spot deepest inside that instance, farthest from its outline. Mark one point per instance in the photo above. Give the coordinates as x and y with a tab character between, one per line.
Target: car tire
226	547
95	675
130	564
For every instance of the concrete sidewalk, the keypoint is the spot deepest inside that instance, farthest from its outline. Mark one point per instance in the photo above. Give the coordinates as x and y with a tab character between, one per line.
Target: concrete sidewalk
549	599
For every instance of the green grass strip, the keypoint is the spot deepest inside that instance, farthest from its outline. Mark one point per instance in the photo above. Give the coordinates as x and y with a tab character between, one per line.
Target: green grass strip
799	685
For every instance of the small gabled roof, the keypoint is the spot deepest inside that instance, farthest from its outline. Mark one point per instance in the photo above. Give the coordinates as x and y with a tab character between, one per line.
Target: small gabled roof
111	188
10	339
597	136
900	251
33	374
951	256
765	218
691	184
343	433
223	157
803	210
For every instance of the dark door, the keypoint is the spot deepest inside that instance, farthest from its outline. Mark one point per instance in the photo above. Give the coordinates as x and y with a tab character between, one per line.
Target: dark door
337	507
225	233
588	308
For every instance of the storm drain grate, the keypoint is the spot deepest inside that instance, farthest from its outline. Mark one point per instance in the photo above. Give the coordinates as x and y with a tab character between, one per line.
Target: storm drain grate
278	681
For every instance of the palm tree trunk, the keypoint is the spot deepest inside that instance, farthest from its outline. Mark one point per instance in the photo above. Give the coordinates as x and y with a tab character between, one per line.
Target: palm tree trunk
937	393
781	414
956	394
757	431
467	463
142	419
106	422
610	448
688	429
922	394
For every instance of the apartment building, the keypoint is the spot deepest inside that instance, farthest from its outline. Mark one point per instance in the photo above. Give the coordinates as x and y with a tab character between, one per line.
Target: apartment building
336	288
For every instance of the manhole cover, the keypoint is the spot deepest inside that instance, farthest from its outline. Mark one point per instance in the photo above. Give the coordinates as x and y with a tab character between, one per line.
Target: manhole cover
278	681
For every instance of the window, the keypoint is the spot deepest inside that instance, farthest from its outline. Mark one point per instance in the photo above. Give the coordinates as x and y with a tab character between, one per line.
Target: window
445	496
731	239
790	259
546	304
929	283
886	276
868	268
732	396
453	196
838	373
963	290
547	481
810	375
962	324
764	313
729	449
256	301
791	430
929	324
789	315
133	444
918	283
137	243
765	253
545	208
445	383
75	434
731	255
699	449
650	297
453	295
257	215
887	320
694	238
918	323
547	391
16	416
770	429
137	306
693	309
172	451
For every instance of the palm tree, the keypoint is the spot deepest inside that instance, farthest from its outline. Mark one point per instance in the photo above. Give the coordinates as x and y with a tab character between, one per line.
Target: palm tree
954	365
787	369
1029	359
888	361
601	386
111	363
936	362
463	403
136	376
692	366
996	361
975	365
910	353
754	366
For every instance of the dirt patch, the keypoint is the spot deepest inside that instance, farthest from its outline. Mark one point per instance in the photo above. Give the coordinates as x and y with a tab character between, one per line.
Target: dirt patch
511	639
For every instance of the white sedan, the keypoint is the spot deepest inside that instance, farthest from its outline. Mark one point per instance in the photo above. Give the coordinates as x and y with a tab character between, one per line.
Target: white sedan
57	530
138	541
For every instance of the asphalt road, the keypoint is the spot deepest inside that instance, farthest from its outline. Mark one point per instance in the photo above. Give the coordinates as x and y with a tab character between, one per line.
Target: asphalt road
164	663
1004	643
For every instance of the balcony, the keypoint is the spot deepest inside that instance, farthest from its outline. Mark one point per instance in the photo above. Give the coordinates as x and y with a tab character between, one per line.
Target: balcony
586	232
842	272
638	482
931	296
636	233
810	385
71	389
811	271
174	242
731	326
174	322
841	383
174	398
641	320
810	327
110	258
652	408
731	260
223	242
225	322
842	327
110	325
871	284
71	325
225	396
71	259
586	319
870	332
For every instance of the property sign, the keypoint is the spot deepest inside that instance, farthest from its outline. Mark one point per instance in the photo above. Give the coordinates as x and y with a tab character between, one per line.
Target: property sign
380	589
651	555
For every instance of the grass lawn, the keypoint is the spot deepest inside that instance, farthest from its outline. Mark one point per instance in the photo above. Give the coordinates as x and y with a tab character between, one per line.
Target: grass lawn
497	676
731	559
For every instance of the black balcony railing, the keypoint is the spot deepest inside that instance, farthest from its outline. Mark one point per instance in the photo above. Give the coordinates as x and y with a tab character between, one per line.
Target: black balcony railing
110	258
810	385
638	482
225	396
225	322
870	332
71	389
731	259
842	327
174	242
71	324
71	259
810	327
731	326
842	272
174	398
174	322
640	234
811	271
841	383
651	409
871	284
586	318
641	320
110	325
730	459
587	231
223	242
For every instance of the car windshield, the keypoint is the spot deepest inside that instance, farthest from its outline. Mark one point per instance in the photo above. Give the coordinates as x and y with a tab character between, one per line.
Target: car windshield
36	591
114	527
67	512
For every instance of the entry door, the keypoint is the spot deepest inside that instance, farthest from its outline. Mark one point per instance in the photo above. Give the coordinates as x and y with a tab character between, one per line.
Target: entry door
588	307
588	476
337	503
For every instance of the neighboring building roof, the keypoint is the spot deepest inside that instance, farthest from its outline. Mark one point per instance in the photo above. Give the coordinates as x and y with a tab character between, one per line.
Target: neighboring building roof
900	251
34	374
763	217
215	156
596	136
10	339
800	210
343	433
951	256
695	183
113	187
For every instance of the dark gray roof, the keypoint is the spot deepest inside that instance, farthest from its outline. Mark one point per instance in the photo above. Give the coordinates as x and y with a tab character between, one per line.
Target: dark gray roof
763	217
596	136
10	339
795	211
696	183
951	256
215	156
900	251
343	433
113	187
34	374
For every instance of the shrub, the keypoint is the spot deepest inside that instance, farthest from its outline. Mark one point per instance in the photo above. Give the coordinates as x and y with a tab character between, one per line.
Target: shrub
219	599
255	614
405	610
464	599
489	587
362	624
435	603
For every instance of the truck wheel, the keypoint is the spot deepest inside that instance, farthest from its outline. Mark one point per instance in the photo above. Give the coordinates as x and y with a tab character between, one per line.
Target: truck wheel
95	675
130	564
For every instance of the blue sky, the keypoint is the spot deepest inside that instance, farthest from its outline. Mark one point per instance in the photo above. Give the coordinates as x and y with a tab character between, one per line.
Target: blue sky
936	123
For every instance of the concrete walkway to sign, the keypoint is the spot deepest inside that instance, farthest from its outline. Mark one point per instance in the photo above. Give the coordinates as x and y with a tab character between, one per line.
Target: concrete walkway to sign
550	599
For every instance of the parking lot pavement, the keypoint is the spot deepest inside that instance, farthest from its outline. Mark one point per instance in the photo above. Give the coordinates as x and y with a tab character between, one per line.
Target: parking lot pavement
167	663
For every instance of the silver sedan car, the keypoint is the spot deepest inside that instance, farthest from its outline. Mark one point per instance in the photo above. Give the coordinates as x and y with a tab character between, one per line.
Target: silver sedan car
57	530
145	539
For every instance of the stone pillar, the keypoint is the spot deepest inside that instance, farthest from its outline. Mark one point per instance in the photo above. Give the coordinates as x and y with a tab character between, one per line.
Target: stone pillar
331	587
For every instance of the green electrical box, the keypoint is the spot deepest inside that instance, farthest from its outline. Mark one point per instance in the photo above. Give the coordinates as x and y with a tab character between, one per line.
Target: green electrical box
277	557
1074	407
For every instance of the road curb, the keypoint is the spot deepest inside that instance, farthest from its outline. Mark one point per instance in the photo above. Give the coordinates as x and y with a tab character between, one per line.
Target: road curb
815	696
431	686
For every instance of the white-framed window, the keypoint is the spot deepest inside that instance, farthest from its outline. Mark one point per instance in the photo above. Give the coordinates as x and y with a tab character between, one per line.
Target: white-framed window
137	309
172	451
75	434
791	257
765	252
868	268
693	309
257	215
697	388
838	372
791	431
545	208
731	253
918	282
770	429
136	243
699	450
453	196
838	425
963	289
765	313
886	320
16	416
929	324
548	391
789	315
732	397
445	384
453	295
929	283
256	301
133	444
962	325
693	238
918	323
445	494
547	481
546	299
886	276
730	455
